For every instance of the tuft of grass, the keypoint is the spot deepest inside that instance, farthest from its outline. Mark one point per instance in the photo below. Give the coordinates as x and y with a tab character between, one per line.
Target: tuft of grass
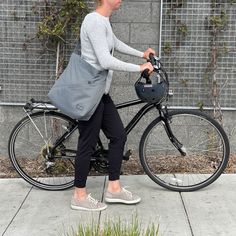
115	228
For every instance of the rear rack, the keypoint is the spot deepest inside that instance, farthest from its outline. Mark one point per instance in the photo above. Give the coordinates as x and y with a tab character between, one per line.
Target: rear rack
39	105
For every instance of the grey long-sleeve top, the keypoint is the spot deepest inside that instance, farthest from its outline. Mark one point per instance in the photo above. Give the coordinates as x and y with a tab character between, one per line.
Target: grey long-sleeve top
97	40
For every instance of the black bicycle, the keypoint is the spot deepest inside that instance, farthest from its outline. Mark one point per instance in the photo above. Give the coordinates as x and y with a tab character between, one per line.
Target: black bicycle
181	150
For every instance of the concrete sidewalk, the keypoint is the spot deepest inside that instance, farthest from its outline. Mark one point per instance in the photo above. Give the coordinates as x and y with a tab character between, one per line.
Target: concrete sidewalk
28	211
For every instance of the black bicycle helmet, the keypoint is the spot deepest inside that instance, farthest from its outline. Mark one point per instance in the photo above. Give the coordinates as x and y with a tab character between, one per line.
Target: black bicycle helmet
156	88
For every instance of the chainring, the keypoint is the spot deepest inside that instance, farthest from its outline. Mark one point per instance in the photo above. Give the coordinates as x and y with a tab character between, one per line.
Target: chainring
100	161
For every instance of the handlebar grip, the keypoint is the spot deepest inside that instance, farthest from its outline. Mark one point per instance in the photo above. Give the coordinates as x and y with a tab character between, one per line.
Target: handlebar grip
146	76
151	56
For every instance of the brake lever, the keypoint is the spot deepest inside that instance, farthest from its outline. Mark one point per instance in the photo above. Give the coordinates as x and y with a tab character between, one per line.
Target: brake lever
157	58
158	62
154	60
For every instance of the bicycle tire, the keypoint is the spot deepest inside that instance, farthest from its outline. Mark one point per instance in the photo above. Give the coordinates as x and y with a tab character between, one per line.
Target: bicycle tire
17	160
165	162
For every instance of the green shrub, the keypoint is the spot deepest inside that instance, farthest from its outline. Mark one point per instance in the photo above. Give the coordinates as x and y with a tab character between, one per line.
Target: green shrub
115	228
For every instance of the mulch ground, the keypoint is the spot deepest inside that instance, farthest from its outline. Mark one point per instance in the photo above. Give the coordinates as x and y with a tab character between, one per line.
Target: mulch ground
131	167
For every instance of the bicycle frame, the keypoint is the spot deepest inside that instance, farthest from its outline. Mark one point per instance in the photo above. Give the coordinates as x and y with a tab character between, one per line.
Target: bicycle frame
163	114
157	66
139	114
128	128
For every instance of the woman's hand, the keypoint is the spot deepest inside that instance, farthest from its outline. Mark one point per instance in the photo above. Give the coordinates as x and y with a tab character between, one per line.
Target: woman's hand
148	66
147	52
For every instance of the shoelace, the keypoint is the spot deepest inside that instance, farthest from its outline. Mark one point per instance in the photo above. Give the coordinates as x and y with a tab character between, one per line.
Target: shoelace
91	199
126	191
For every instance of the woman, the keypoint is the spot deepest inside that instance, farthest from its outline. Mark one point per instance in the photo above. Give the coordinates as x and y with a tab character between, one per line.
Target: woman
97	40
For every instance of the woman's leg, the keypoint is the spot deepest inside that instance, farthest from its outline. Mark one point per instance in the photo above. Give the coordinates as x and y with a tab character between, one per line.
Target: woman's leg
88	137
113	128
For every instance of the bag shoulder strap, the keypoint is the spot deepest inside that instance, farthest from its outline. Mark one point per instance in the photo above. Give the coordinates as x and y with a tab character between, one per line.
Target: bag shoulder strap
77	49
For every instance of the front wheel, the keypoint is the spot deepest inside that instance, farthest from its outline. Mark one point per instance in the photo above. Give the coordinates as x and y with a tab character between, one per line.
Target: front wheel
207	151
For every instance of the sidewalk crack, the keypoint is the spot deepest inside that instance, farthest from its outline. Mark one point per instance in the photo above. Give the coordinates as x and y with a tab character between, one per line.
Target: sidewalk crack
186	212
103	192
17	211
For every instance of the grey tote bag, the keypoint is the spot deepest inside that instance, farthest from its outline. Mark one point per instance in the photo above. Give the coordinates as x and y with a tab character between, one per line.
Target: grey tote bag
79	88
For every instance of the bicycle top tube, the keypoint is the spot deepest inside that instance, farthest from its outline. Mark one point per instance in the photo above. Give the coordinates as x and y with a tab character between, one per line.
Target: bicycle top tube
128	103
137	101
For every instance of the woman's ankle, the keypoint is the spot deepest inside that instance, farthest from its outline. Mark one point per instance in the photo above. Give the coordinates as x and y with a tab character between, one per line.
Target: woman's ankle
114	186
80	193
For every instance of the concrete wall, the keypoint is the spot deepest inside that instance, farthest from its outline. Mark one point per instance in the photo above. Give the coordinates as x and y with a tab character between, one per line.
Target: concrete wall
137	24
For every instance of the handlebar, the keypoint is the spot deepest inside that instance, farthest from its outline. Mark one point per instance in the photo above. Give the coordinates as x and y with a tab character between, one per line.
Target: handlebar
155	61
152	59
158	68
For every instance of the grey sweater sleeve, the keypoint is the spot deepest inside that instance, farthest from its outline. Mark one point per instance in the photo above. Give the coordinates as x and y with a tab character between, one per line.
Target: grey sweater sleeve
96	32
126	49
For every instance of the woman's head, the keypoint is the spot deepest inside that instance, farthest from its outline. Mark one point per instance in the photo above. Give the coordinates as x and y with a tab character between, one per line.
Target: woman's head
112	4
99	2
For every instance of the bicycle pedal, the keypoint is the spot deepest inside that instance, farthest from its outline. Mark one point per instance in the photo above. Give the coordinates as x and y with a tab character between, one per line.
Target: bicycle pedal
127	155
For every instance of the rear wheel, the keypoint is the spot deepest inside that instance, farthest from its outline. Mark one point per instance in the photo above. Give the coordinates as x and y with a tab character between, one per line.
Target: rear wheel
206	145
30	150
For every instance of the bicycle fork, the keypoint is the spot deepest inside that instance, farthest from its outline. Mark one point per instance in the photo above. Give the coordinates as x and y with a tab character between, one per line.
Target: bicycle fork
166	120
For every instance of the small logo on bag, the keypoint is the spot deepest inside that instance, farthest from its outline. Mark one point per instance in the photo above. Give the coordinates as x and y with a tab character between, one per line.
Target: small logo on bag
79	107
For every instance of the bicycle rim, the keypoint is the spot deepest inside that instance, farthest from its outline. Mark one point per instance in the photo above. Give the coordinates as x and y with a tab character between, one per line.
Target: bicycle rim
206	145
29	145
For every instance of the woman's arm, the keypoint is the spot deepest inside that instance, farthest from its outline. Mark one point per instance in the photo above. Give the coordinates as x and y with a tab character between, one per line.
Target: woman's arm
126	49
96	32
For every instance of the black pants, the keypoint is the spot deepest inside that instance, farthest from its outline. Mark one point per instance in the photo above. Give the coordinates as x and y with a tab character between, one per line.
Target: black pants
105	117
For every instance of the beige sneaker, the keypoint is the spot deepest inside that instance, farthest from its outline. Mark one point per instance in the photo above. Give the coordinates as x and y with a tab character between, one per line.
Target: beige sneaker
124	196
89	204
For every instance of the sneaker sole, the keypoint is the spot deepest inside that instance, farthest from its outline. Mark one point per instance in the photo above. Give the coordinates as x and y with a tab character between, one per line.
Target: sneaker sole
87	209
117	200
